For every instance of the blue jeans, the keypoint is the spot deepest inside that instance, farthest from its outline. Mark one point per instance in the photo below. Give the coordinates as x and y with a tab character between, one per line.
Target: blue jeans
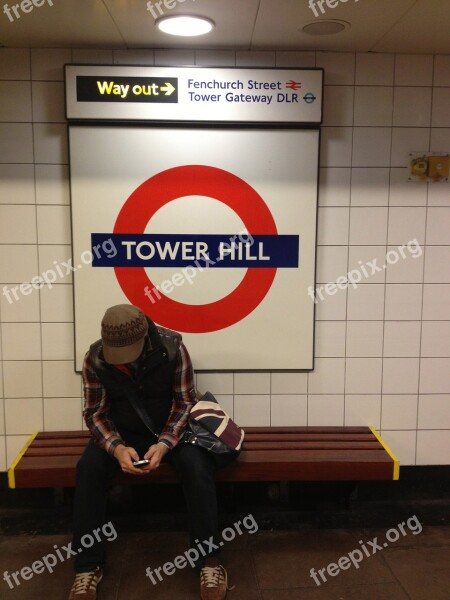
195	469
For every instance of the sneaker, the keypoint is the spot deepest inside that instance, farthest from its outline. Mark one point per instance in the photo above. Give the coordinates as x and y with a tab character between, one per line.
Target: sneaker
85	585
213	581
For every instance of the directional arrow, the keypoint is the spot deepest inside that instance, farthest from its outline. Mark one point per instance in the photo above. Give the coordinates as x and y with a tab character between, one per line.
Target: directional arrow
168	88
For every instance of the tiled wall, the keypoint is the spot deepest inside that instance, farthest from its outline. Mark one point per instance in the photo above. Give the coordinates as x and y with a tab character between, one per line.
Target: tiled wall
382	349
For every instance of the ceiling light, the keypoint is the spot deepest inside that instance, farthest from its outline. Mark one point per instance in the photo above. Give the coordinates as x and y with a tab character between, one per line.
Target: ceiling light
325	27
184	25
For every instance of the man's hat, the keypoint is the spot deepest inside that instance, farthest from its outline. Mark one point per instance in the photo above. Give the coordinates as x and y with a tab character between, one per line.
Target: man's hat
124	328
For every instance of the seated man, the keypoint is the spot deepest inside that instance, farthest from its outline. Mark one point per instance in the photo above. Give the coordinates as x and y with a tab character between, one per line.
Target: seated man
135	368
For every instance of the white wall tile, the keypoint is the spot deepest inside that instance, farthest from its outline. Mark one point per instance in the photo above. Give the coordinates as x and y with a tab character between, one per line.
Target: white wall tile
406	265
216	383
438	195
134	56
60	379
48	102
3	465
16	143
252	383
331	308
371	146
331	263
17	184
370	186
14	63
57	341
441	102
51	257
362	409
17	224
436	302
226	401
412	107
402	444
406	140
24	310
47	64
442	70
406	193
295	60
336	147
435	338
339	67
2	413
289	410
434	412
365	302
289	383
14	444
326	410
215	58
440	139
50	143
332	228
364	339
327	377
15	101
252	410
22	379
399	411
373	106
23	415
21	341
405	224
400	375
413	69
401	339
368	225
52	184
92	56
338	105
334	186
53	223
437	264
434	376
433	447
403	302
329	339
369	261
374	69
62	414
57	304
174	57
438	226
18	263
262	58
363	376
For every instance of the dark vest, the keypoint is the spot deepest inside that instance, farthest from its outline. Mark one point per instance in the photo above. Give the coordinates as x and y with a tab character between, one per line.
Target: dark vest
152	383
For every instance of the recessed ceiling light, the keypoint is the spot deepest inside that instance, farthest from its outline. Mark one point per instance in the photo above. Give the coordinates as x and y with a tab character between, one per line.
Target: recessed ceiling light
325	27
186	26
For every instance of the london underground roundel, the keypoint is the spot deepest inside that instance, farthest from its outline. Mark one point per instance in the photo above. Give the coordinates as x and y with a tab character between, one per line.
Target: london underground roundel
223	186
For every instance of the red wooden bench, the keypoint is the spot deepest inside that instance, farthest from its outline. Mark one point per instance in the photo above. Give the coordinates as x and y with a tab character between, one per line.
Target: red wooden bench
269	454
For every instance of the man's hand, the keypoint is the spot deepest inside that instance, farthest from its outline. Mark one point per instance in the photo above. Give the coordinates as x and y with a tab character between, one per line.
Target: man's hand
125	456
155	454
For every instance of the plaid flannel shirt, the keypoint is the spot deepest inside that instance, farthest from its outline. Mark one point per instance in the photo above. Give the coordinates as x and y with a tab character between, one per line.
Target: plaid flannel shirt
96	411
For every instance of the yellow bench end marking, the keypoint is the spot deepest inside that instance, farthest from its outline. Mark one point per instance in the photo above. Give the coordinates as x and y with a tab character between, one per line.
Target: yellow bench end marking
396	473
11	474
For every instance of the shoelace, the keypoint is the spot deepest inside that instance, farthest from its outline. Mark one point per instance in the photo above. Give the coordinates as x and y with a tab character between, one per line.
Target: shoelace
85	581
214	576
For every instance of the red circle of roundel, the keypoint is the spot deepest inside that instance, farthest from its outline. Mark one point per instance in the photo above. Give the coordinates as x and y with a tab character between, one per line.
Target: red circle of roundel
215	183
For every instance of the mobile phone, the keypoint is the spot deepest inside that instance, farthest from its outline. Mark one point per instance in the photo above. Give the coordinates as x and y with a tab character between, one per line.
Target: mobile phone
140	463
